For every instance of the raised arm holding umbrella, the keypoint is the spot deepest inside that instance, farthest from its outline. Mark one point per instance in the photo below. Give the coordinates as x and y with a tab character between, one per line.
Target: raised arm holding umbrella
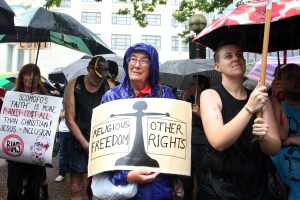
234	166
257	27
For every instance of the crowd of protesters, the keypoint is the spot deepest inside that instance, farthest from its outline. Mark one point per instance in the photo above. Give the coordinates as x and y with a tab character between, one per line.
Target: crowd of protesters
231	146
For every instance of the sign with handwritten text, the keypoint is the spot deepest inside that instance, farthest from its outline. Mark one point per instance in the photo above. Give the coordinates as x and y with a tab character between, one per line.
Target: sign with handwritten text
28	125
141	133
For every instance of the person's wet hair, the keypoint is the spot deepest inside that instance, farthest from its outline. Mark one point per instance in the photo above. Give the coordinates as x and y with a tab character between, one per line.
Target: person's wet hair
203	80
220	46
289	65
284	66
28	69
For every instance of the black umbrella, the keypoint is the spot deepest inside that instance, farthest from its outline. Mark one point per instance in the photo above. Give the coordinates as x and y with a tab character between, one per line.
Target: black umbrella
6	18
177	73
41	25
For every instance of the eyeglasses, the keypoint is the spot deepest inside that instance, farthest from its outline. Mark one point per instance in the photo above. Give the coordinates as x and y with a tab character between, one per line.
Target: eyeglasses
143	62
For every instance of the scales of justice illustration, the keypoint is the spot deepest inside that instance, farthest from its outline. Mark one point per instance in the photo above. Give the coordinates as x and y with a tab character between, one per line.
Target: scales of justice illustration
138	156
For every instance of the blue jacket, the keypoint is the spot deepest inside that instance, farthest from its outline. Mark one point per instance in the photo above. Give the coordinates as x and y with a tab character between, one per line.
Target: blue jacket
161	187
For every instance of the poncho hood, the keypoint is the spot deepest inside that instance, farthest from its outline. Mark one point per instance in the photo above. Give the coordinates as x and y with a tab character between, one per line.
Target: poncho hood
154	66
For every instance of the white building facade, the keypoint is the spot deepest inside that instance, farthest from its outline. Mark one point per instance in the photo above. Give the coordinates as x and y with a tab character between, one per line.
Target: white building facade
117	31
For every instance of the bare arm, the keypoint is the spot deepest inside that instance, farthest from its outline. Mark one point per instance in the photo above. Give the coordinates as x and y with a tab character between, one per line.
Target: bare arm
62	114
220	135
70	114
292	141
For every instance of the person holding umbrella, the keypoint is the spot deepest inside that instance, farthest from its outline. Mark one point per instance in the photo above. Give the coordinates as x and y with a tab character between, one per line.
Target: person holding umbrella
234	165
287	114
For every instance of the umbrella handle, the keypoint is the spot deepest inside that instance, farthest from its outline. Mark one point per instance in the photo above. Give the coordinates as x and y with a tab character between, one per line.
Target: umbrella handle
264	53
196	91
265	48
259	114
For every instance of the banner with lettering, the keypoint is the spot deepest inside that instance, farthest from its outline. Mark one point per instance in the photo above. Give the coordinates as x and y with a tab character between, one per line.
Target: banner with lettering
147	133
28	124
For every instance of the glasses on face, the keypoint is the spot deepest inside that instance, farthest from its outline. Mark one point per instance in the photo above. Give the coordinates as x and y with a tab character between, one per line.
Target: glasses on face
143	62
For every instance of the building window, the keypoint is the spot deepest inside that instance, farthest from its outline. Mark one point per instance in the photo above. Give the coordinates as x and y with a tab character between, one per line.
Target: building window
175	43
209	53
185	24
121	19
120	42
251	60
91	17
153	20
153	40
175	2
178	41
118	1
65	3
184	46
174	22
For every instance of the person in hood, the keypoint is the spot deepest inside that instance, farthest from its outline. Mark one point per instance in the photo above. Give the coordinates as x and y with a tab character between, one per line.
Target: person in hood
141	80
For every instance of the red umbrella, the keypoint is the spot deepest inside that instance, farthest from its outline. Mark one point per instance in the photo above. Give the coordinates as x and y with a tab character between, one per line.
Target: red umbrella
258	26
246	24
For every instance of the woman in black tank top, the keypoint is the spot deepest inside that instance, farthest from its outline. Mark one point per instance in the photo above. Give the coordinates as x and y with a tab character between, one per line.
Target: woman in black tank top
234	167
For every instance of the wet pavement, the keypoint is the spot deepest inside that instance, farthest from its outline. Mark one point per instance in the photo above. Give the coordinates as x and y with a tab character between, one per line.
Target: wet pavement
57	190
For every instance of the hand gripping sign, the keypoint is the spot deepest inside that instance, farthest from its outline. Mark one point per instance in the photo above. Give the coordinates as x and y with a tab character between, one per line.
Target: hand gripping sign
148	133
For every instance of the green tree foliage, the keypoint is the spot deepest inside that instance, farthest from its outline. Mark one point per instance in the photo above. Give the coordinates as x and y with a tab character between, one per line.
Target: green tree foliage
51	3
188	8
183	13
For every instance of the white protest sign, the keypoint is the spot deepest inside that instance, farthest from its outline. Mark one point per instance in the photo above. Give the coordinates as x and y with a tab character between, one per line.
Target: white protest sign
148	133
28	125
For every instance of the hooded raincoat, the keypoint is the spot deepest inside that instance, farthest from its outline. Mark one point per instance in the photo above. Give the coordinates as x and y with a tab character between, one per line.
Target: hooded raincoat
161	187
